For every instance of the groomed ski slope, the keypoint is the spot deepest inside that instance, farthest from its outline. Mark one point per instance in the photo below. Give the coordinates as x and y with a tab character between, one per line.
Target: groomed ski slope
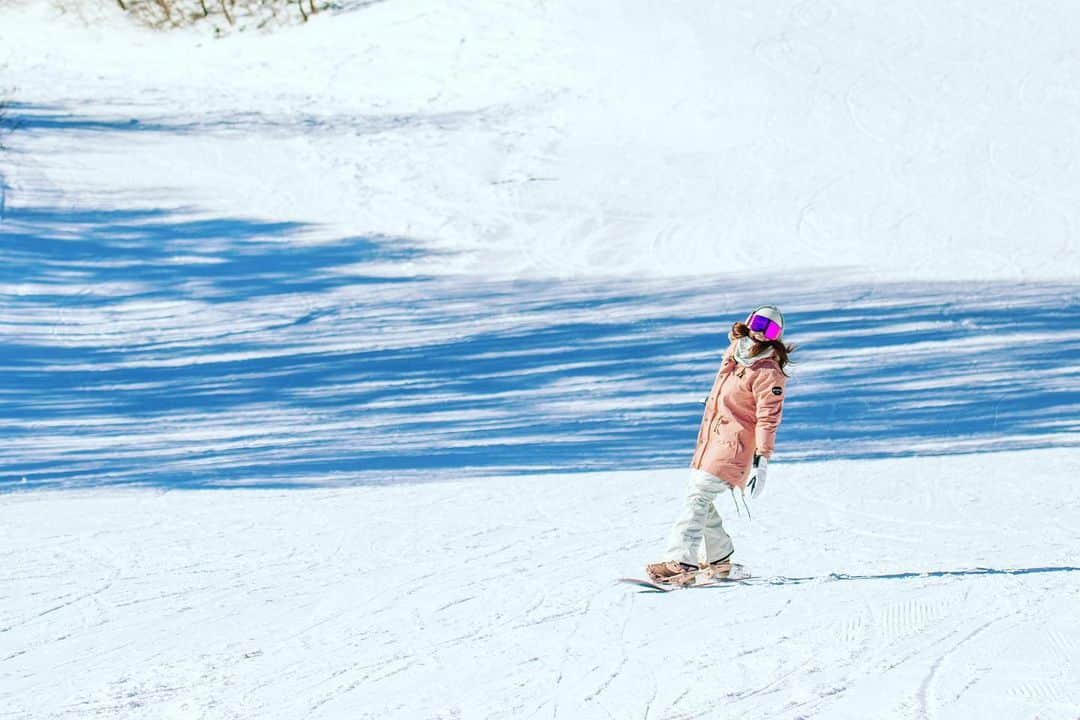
496	598
564	139
345	368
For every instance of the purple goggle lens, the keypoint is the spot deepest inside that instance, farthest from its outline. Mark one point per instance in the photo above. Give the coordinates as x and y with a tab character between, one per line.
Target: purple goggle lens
762	324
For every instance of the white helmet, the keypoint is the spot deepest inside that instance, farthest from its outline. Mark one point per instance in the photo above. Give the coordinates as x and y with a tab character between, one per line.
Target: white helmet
770	321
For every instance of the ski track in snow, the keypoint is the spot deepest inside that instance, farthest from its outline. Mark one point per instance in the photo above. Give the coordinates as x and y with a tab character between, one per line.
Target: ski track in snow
379	601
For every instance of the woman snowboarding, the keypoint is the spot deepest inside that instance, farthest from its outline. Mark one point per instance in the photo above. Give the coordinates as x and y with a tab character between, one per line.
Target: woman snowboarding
734	443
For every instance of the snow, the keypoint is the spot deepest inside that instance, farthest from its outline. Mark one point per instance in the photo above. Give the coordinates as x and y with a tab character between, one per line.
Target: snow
346	367
568	139
496	598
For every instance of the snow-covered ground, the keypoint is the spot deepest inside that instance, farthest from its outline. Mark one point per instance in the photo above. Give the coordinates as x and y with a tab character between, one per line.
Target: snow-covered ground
345	368
496	598
565	138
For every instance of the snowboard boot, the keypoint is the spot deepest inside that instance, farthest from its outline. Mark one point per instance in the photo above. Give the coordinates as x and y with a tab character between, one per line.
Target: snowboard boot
662	571
719	568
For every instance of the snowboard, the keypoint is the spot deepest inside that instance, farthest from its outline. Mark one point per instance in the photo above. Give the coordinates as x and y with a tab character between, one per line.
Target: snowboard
706	577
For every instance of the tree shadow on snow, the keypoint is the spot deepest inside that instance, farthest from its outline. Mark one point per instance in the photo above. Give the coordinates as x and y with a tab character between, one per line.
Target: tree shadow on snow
39	119
166	348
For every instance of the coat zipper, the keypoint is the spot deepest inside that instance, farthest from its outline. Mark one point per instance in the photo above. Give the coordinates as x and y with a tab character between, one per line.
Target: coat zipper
709	427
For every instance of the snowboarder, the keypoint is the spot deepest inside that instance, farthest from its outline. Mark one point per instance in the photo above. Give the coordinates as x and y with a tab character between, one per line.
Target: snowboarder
734	443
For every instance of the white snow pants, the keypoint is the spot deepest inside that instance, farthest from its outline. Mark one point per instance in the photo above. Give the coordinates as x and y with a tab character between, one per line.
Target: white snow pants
699	526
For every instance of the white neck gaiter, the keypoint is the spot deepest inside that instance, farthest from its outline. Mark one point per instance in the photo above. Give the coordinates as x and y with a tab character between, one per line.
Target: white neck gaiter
744	346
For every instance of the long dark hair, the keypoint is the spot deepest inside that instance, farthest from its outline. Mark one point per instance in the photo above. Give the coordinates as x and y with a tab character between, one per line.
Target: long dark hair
781	351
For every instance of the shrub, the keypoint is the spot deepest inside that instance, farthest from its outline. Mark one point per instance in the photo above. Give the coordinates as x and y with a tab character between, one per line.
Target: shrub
257	13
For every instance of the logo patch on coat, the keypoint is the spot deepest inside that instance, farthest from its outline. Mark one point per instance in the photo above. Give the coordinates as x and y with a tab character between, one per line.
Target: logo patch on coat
777	390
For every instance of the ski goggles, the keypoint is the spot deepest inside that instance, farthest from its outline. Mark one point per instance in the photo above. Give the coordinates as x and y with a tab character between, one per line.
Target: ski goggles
770	328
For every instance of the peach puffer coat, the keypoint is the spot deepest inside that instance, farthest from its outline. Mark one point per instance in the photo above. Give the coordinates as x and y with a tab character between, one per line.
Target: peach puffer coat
741	416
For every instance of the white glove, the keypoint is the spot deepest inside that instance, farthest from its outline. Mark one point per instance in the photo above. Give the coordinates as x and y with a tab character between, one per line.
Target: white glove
757	479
